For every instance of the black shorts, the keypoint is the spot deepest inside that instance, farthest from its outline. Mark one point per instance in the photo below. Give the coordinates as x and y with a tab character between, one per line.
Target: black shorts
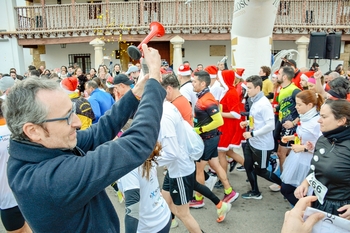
180	189
210	148
12	219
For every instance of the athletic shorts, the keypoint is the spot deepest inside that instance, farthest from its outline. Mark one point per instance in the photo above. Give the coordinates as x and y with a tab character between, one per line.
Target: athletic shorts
260	157
180	189
210	148
12	219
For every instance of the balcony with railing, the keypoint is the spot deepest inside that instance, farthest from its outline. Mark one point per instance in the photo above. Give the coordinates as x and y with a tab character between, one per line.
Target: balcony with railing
199	16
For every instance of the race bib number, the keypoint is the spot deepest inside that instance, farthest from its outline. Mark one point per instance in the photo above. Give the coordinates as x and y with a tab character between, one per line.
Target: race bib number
319	189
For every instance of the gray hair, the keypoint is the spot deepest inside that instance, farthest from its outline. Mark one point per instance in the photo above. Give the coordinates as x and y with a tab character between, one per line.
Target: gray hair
22	106
334	75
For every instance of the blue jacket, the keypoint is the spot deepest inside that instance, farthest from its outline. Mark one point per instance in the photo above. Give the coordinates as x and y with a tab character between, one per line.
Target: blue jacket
61	190
100	102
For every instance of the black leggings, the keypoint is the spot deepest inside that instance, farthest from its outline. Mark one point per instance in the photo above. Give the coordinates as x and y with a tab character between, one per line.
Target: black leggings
252	156
205	191
12	219
166	229
287	191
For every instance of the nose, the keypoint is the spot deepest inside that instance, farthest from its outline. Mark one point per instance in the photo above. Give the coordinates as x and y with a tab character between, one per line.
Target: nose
76	122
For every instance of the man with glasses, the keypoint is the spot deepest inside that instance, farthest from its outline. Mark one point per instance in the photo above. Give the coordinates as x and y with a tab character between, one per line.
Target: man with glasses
58	175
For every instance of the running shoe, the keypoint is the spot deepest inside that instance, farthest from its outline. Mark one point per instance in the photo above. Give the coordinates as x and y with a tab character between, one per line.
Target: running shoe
196	204
225	208
219	185
275	188
211	172
211	182
229	198
252	195
174	224
233	163
240	169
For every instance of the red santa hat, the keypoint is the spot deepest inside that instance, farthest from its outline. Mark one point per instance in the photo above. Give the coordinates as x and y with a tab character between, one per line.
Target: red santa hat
239	72
184	70
69	84
212	70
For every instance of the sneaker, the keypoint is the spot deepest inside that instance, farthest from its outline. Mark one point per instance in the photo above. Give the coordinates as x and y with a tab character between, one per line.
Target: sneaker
252	195
211	173
174	224
219	185
196	204
233	163
240	169
229	198
211	182
275	188
225	208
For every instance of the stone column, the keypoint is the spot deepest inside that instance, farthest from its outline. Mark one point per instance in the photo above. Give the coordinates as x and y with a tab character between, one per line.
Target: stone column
98	47
302	43
177	42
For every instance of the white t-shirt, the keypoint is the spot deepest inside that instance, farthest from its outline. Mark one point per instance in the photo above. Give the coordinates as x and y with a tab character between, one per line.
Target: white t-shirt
217	90
154	212
7	200
172	139
263	116
187	91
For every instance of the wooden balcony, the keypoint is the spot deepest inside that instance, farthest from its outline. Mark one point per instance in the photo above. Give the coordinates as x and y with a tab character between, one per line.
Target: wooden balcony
199	16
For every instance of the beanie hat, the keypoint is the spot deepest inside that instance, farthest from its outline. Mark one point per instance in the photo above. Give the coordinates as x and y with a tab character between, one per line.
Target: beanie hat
311	80
212	70
6	82
184	70
239	72
69	84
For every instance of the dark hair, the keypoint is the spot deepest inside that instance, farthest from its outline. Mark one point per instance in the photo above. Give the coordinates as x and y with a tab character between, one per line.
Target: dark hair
30	68
266	70
340	86
256	80
99	82
289	72
13	69
199	65
1	114
34	73
203	76
170	80
12	72
340	108
65	67
328	72
308	96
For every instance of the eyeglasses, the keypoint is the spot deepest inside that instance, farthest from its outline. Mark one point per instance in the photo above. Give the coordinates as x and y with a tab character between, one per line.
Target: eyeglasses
68	118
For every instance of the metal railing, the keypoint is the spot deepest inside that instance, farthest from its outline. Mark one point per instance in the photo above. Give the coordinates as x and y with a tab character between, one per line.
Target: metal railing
175	15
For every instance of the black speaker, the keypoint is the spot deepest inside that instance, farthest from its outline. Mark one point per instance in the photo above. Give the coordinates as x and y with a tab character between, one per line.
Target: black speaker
333	45
317	45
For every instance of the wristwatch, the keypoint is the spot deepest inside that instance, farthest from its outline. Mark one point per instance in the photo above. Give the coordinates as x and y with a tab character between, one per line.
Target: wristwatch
201	130
306	150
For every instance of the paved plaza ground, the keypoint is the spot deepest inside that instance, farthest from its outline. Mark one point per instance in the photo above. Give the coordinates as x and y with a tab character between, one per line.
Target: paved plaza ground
246	216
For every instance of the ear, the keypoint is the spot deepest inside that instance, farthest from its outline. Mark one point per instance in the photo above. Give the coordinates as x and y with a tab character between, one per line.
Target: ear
342	121
33	131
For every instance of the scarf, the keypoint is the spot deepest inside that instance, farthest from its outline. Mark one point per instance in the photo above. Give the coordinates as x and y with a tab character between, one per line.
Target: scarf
308	115
257	97
202	92
339	134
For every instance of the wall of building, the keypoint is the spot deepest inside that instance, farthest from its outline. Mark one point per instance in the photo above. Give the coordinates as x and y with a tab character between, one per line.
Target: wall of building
11	54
